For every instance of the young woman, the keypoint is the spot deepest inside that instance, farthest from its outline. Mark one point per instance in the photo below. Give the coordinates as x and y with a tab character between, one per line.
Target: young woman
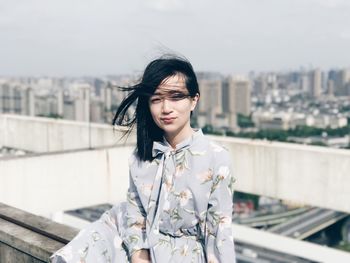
179	202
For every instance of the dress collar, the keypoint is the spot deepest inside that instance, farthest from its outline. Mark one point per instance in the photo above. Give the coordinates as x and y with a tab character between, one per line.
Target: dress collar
164	146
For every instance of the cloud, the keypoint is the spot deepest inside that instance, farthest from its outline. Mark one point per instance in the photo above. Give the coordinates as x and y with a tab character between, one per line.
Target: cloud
333	3
120	36
165	5
345	35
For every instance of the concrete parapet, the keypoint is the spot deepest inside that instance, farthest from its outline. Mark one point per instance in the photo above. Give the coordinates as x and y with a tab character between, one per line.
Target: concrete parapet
46	183
25	237
38	134
302	174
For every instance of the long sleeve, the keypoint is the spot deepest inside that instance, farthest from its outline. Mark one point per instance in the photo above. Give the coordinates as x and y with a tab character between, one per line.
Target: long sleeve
219	245
134	236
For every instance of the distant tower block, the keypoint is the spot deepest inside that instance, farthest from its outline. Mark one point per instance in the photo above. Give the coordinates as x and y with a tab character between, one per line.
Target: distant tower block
82	102
1	98
330	87
304	83
60	102
30	99
228	105
272	81
211	99
108	98
239	95
6	98
260	85
345	80
341	79
316	83
347	87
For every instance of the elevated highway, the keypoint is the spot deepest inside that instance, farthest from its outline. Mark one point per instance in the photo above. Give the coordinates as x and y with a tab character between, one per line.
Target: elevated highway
308	223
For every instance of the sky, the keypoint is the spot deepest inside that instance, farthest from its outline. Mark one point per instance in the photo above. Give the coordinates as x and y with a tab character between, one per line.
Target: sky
99	37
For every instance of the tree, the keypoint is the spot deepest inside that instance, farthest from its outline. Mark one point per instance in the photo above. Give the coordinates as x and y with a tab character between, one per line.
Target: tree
244	121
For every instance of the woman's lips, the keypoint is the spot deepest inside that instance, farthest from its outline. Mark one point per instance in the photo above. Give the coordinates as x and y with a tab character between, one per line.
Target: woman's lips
167	120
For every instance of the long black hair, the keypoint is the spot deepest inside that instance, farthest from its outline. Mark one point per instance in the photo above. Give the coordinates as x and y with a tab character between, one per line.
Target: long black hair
155	72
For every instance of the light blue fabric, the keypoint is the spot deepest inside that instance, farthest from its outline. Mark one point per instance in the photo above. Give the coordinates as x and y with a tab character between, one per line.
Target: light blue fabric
179	207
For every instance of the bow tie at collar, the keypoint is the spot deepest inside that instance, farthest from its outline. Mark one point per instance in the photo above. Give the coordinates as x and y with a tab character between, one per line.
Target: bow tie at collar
166	148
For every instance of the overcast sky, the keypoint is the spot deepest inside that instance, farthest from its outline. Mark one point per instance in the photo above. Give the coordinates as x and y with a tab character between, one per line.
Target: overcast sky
97	37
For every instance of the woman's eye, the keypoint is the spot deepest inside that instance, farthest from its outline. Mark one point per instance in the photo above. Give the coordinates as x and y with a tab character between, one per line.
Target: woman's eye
178	96
155	100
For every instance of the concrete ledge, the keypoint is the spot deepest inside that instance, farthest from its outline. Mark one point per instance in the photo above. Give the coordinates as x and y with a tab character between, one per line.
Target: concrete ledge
48	135
288	245
25	237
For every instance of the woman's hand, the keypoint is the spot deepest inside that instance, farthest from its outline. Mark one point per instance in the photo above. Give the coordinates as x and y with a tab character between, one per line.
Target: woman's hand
141	256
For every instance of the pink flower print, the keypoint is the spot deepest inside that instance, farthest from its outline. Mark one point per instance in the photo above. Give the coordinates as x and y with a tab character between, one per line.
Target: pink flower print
223	172
184	197
205	176
212	259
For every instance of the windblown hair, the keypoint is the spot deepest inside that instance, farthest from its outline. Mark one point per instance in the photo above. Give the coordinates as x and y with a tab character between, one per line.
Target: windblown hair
155	72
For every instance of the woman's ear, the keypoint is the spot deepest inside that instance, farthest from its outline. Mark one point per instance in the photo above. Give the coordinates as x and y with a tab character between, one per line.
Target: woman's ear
195	100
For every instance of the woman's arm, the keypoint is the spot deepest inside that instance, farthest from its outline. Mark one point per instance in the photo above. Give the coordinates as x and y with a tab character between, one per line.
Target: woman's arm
134	236
219	244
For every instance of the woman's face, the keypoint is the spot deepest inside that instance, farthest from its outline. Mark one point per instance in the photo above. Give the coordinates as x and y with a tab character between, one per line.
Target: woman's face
171	105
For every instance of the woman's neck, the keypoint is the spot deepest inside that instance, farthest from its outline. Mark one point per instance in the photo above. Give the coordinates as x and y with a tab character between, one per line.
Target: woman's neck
174	139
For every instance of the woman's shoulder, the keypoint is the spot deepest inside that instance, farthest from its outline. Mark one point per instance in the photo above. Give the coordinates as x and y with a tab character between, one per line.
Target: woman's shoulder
215	147
217	152
212	152
134	161
138	165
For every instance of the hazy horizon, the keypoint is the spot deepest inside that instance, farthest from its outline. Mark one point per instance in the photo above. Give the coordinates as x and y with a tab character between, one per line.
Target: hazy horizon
96	38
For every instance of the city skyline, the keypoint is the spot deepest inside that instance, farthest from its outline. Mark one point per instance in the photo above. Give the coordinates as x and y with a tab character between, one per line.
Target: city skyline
92	38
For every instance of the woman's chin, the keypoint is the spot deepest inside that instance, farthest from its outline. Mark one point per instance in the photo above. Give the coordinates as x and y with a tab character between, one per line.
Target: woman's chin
169	128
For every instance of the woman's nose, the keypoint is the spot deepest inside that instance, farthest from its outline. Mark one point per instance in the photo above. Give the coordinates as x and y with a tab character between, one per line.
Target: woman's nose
166	107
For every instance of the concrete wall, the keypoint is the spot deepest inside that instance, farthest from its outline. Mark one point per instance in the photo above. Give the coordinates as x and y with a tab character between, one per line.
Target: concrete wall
313	175
47	183
47	135
44	184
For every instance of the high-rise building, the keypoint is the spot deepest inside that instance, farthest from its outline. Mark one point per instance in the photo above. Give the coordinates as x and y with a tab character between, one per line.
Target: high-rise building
239	95
271	81
106	96
304	83
96	111
345	80
69	108
236	98
210	100
16	98
347	88
82	102
60	102
340	78
29	102
315	83
228	105
260	85
330	87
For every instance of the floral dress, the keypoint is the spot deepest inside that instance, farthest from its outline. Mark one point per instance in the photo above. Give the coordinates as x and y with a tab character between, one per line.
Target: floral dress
179	207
